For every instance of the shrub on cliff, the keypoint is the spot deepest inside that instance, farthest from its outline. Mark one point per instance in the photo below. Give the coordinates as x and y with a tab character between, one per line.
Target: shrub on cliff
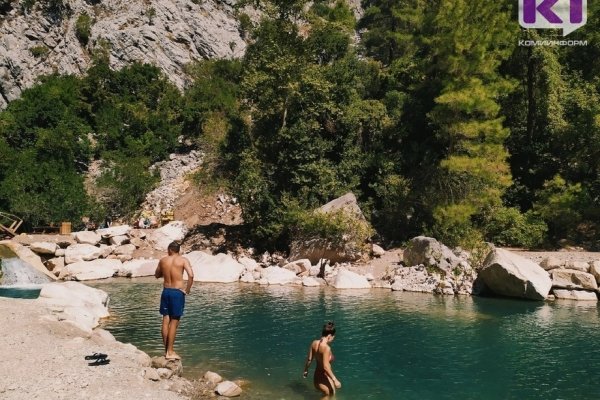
83	28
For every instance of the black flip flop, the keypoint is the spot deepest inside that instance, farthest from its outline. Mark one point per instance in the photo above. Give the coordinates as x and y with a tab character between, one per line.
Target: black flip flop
96	356
100	361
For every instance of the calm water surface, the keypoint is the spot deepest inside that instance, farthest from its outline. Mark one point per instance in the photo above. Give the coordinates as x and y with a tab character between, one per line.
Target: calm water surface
389	345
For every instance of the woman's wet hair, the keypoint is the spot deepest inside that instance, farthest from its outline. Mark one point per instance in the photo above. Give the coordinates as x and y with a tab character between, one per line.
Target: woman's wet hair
328	329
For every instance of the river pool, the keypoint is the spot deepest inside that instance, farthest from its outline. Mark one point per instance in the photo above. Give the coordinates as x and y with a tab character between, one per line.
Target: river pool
389	345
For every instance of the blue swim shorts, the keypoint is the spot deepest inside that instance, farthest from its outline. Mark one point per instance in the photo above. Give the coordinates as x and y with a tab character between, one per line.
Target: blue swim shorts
172	302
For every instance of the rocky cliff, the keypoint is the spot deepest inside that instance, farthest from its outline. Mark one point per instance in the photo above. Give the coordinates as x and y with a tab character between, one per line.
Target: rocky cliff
47	36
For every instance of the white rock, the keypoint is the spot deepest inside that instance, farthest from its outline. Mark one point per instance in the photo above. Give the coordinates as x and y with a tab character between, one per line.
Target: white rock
298	266
106	250
279	276
82	252
139	267
212	377
248	263
310	282
151	374
580	295
72	301
164	373
350	280
119	240
228	389
247	277
595	270
86	237
578	265
314	270
377	250
124	257
55	264
550	263
119	230
218	268
43	247
124	249
59	252
90	270
573	279
509	274
162	237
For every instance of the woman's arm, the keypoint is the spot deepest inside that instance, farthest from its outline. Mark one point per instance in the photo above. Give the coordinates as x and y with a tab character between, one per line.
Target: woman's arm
327	367
308	361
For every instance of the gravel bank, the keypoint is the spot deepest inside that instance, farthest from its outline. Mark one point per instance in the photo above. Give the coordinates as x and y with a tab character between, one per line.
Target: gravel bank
43	358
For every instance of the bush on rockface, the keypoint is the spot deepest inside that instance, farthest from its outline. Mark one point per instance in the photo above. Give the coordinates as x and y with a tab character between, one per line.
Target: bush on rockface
83	28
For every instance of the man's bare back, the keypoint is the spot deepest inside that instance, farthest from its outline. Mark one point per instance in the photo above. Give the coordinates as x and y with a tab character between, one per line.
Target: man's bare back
171	268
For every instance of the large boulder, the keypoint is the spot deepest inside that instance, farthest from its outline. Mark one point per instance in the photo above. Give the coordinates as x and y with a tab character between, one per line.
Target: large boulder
87	237
12	250
46	248
77	303
82	252
422	250
214	268
508	274
137	268
163	236
573	279
350	280
118	230
90	270
346	203
279	276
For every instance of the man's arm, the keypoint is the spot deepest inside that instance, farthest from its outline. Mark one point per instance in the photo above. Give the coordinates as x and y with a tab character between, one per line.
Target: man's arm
190	273
158	273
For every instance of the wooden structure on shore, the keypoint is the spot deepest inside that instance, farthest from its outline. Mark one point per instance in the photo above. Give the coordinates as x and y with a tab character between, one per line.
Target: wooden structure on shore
8	225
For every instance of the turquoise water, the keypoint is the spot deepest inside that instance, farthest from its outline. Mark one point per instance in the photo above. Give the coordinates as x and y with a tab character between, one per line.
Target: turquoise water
389	345
20	293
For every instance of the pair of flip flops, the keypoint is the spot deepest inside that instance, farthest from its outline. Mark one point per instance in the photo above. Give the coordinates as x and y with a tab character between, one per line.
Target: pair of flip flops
99	359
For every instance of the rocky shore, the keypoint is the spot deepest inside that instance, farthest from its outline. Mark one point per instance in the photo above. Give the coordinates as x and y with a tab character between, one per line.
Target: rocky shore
44	342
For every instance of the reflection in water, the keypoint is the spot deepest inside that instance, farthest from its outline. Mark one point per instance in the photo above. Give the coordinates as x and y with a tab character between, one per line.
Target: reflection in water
389	345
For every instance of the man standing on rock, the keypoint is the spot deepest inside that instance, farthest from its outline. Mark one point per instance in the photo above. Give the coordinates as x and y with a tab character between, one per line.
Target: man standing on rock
172	300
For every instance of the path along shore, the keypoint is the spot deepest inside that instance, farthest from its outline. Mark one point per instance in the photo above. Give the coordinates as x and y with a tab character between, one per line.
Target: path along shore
43	358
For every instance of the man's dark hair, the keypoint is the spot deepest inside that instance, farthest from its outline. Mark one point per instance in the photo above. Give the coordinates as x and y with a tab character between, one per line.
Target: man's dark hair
174	247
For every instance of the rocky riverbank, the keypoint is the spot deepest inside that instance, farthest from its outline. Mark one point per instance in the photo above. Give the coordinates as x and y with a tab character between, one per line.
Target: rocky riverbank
44	342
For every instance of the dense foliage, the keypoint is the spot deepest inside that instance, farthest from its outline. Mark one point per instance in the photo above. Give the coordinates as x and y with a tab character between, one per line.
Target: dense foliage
437	119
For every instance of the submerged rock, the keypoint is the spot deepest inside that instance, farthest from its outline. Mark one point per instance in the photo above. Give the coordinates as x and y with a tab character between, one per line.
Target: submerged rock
228	389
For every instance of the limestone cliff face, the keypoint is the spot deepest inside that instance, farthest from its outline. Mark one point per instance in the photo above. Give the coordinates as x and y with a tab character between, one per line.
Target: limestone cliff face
165	33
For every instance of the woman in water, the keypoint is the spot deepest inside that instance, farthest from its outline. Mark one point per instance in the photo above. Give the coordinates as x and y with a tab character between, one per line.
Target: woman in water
324	379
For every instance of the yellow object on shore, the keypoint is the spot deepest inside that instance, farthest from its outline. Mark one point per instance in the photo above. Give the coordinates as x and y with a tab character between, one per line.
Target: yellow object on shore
65	228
